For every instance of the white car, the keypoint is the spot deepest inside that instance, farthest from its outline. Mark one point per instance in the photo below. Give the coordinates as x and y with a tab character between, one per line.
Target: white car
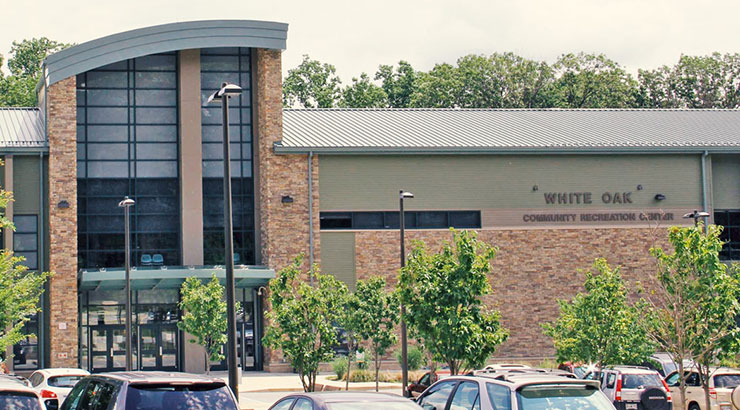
14	394
53	385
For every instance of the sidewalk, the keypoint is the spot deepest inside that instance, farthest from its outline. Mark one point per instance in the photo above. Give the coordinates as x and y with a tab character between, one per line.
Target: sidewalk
290	382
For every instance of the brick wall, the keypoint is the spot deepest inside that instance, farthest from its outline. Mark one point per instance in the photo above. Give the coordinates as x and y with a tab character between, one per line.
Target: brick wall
62	133
284	227
533	268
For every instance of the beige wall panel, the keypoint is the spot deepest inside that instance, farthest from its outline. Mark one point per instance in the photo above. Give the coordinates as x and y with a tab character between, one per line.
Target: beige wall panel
494	182
338	256
726	181
26	183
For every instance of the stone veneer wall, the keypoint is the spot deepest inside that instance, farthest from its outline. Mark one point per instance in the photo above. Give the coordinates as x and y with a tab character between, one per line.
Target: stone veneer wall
62	133
284	227
533	268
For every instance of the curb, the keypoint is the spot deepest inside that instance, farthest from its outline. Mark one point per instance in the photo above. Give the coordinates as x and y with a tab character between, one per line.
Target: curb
319	387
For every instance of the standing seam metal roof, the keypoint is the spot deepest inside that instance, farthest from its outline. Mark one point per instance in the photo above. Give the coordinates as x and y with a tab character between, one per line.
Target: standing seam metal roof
471	130
21	128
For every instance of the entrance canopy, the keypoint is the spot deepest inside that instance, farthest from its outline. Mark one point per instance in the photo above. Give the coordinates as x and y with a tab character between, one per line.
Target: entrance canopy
169	277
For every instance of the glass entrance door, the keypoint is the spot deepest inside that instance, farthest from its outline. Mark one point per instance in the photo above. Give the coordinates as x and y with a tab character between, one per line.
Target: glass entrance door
158	347
107	348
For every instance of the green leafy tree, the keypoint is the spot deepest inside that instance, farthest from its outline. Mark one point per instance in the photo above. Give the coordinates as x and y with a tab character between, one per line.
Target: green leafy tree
302	319
656	89
695	302
20	289
362	93
600	326
399	84
439	88
205	316
350	318
378	313
442	293
592	81
312	84
19	88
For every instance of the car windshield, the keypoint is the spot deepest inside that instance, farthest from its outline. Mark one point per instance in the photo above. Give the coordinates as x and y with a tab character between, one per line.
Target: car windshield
19	401
389	405
640	381
202	396
558	397
727	380
64	381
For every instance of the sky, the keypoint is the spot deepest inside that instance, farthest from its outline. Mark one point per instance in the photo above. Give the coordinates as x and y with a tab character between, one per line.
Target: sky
357	36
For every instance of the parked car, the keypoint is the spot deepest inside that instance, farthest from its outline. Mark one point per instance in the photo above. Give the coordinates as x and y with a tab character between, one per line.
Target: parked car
635	388
663	363
150	391
55	384
501	366
426	380
721	385
14	394
514	391
343	401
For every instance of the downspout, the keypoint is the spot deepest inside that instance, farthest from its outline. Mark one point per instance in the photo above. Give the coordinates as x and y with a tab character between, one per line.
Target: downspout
704	205
42	233
310	215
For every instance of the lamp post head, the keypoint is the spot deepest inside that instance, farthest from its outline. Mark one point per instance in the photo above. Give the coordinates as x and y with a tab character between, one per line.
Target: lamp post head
405	195
227	90
127	202
696	215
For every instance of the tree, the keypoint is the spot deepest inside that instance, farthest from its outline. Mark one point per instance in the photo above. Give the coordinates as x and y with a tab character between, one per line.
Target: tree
439	88
312	85
302	319
399	85
442	293
351	318
592	81
378	311
205	316
656	89
363	94
600	326
20	289
19	88
694	302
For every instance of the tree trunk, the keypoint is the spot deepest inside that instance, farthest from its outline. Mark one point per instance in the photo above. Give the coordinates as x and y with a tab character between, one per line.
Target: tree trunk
377	369
207	362
349	368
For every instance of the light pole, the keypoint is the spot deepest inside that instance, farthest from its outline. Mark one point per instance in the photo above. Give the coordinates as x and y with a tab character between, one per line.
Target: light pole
222	96
126	204
696	215
404	348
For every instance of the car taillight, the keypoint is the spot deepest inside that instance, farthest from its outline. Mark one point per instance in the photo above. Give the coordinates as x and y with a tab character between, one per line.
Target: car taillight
712	393
48	394
618	393
667	390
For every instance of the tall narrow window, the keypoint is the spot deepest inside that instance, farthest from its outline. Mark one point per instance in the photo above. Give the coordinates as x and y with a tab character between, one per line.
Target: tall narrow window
26	240
231	65
730	220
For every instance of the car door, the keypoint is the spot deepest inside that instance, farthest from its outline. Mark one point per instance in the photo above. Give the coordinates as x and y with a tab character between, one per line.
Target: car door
466	397
72	402
438	395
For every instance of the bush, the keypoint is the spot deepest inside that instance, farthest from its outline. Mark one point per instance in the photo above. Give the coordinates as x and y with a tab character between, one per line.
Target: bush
362	375
414	357
340	367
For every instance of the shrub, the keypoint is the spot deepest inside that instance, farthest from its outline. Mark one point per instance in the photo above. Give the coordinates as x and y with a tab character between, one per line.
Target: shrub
339	365
362	375
414	357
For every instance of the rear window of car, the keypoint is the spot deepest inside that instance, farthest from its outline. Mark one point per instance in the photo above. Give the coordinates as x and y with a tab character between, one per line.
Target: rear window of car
557	397
727	380
364	405
200	396
64	381
19	401
640	381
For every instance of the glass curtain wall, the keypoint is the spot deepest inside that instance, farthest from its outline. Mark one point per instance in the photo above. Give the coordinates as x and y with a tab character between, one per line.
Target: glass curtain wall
232	65
127	144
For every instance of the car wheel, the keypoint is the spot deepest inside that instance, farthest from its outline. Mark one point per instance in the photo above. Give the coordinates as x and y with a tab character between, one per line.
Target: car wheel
654	399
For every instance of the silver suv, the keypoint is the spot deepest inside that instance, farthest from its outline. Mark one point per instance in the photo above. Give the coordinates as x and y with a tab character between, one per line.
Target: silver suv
514	391
635	388
150	391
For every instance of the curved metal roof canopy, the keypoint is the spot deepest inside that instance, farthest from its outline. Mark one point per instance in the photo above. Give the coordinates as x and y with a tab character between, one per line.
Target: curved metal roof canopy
160	39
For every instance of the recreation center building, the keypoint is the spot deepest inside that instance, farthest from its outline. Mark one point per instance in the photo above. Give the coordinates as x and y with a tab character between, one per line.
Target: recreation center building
126	115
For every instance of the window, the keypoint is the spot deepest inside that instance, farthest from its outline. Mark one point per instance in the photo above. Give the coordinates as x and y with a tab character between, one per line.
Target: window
730	220
390	220
283	404
127	145
466	397
26	239
303	404
437	396
232	65
610	379
500	396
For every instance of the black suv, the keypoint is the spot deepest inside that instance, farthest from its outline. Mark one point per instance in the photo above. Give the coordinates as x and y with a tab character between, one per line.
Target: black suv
150	391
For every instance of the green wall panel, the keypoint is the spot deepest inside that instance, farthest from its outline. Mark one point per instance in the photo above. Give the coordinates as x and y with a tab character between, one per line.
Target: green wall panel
338	256
503	181
726	181
26	184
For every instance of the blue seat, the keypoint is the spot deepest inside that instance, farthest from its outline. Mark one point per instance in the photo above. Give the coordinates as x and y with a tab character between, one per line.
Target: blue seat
157	259
146	259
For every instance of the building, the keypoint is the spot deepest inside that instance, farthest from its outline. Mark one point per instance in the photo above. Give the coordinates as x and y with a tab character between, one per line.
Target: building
126	115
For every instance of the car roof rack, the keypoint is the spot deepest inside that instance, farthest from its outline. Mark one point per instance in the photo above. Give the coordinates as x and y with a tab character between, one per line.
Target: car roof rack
626	366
